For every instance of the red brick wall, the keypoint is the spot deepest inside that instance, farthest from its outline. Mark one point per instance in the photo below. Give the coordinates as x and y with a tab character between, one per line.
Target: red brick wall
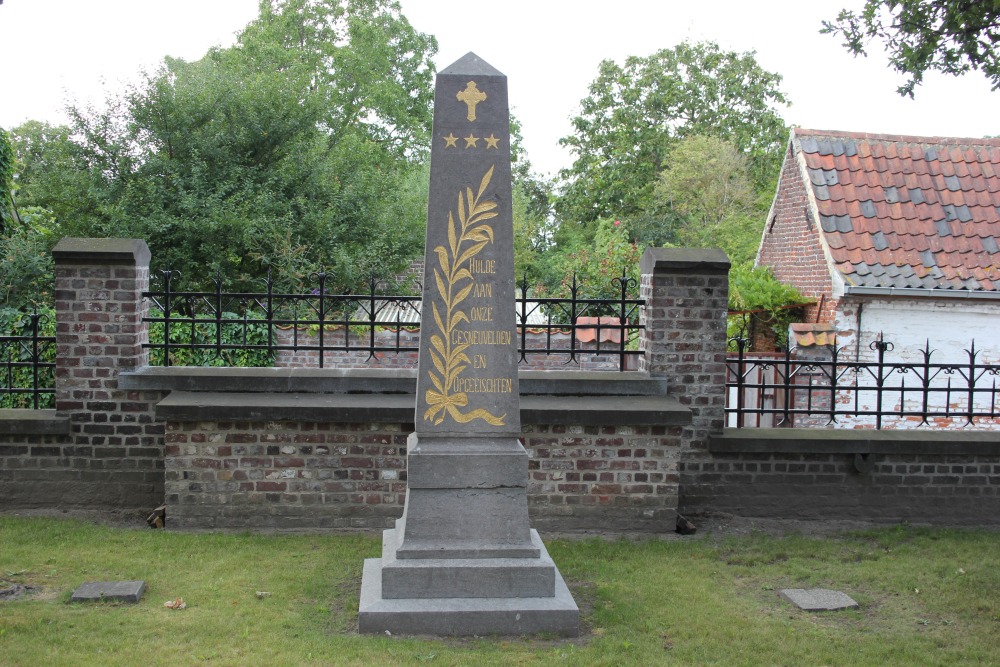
686	294
947	489
116	443
293	475
791	244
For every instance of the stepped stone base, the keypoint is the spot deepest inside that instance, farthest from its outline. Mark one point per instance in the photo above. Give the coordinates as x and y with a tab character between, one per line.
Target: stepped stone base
474	595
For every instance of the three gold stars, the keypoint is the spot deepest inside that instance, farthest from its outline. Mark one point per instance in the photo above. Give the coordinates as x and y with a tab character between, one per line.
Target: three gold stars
472	141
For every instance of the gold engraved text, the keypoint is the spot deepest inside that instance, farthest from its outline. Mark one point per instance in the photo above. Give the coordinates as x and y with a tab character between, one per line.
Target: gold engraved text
466	338
484	385
483	266
454	284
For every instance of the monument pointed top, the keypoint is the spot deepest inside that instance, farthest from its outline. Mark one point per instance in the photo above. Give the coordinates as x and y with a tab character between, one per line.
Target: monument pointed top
471	64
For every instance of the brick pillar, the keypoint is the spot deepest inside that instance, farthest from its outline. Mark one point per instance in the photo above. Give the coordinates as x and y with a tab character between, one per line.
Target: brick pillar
99	333
686	292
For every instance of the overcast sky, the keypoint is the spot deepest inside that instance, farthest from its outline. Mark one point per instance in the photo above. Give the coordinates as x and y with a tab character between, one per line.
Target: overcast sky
56	50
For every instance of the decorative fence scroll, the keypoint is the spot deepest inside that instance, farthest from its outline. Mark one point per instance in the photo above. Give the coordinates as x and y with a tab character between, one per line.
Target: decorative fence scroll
790	390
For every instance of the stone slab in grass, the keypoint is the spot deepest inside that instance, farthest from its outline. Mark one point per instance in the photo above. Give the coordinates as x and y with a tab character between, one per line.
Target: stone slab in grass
818	599
119	591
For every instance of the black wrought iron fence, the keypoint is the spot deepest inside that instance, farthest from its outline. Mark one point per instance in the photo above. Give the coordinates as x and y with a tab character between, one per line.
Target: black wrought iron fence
250	328
791	390
27	361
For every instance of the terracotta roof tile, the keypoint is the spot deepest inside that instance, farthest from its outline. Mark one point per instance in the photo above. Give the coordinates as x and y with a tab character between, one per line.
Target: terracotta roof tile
901	211
809	335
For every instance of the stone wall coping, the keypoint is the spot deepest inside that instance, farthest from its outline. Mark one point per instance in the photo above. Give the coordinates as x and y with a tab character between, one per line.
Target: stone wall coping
72	250
375	381
202	406
33	422
856	441
684	260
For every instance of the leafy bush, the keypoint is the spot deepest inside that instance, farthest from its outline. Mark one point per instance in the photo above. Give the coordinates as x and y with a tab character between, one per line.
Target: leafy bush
27	272
234	336
18	325
756	299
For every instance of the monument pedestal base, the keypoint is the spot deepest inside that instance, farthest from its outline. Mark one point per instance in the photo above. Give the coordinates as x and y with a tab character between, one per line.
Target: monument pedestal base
463	560
465	596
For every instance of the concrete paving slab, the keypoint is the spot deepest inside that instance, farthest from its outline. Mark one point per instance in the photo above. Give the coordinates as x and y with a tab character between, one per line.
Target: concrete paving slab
119	591
818	599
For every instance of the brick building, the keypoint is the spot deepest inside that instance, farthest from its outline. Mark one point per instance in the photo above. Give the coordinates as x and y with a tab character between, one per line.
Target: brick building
891	234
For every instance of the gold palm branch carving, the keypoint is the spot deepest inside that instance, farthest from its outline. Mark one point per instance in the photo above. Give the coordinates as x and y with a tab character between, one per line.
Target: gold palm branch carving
465	240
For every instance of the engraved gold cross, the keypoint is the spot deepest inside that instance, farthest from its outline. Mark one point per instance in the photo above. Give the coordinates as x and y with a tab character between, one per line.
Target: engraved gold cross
471	96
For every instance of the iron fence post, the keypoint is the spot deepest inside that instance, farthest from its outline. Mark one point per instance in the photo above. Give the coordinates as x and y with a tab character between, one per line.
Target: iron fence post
34	358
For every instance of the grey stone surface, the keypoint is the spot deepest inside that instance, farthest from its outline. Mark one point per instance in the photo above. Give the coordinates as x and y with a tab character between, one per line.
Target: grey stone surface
684	260
463	560
557	614
201	406
818	599
856	441
467	381
376	381
461	463
252	406
478	577
465	523
365	381
33	422
71	250
120	591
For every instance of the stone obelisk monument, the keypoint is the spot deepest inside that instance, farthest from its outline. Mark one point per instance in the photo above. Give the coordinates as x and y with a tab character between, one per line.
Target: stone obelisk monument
463	560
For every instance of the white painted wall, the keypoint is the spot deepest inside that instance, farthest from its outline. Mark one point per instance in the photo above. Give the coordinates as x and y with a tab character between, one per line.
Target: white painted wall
949	326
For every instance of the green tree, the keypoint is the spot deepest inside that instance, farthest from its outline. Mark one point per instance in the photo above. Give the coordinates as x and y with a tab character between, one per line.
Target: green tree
51	172
284	151
596	268
26	238
949	36
7	210
708	190
636	112
360	60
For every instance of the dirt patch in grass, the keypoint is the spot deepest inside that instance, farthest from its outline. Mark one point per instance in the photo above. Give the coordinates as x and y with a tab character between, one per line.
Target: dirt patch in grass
11	590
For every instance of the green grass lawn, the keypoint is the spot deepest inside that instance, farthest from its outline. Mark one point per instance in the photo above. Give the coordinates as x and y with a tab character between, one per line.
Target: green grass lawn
927	596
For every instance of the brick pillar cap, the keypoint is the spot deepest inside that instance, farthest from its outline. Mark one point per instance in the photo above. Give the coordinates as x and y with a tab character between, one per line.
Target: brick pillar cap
101	251
684	260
